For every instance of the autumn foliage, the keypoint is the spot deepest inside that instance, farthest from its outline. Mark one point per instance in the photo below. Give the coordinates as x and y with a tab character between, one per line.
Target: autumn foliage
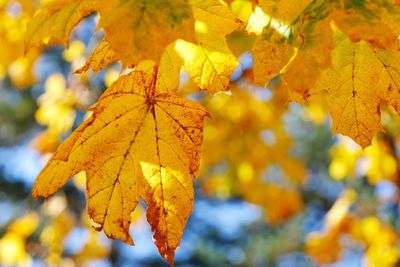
143	139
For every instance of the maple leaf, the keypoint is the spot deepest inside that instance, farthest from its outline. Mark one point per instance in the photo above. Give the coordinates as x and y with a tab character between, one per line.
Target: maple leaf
360	79
209	62
139	143
55	21
140	29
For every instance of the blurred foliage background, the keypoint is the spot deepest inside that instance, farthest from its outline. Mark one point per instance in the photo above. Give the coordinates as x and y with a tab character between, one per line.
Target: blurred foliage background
277	188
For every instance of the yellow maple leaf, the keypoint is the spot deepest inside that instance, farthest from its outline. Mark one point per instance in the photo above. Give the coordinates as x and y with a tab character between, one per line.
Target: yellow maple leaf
209	62
325	246
142	29
360	79
138	144
54	22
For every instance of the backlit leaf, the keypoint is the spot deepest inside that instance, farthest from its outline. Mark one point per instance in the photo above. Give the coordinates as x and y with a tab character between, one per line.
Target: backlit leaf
360	79
210	62
138	144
